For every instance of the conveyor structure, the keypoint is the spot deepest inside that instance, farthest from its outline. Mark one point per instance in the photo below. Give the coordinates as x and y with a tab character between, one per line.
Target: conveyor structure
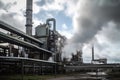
8	27
13	40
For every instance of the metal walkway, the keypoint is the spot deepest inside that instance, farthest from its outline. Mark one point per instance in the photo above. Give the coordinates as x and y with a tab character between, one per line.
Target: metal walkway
93	66
21	65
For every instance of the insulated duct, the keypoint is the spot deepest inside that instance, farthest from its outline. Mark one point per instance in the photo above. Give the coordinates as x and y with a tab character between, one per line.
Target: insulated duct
54	23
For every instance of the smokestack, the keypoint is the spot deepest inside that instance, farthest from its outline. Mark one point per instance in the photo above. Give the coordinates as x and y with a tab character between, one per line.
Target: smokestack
29	17
92	52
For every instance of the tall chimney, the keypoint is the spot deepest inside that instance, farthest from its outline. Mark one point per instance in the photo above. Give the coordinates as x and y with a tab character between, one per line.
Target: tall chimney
29	17
92	52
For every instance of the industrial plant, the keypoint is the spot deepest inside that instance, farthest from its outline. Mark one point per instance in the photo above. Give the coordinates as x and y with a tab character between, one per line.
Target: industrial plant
41	53
30	51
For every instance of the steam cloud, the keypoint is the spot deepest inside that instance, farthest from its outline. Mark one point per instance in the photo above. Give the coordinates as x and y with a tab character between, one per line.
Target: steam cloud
90	18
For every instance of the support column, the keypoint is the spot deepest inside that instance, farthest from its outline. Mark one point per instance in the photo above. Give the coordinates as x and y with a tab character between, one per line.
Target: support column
22	72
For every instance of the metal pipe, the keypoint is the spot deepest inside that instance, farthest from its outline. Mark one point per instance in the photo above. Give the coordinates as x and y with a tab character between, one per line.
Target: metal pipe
25	59
8	27
54	23
14	40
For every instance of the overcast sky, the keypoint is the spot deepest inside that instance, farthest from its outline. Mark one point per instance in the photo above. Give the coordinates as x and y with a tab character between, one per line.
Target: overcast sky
83	22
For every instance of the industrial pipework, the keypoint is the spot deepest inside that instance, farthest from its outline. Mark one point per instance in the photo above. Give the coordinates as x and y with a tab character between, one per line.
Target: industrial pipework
54	23
29	17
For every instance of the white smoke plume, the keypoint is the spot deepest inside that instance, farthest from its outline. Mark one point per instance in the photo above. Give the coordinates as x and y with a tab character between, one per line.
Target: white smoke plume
90	18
